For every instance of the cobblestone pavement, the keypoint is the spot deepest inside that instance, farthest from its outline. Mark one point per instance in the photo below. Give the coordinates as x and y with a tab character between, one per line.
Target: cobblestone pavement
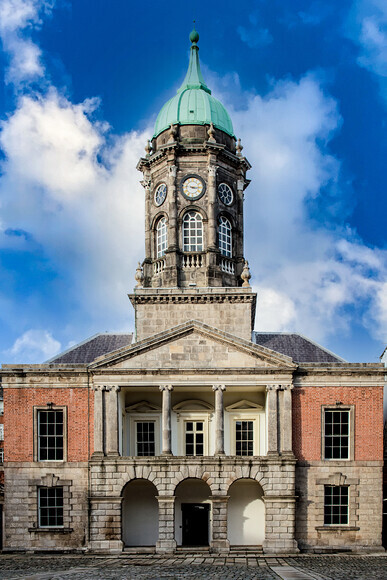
194	567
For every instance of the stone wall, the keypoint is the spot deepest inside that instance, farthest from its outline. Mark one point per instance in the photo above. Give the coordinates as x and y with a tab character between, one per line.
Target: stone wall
229	309
365	505
21	507
274	474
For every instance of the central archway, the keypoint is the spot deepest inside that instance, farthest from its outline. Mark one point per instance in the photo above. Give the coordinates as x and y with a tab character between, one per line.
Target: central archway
192	513
246	513
140	514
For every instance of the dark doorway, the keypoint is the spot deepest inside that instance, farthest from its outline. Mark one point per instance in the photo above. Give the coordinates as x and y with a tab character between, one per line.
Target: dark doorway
195	524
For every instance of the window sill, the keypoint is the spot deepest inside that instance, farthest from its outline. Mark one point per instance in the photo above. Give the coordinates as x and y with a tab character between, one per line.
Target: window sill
336	528
52	530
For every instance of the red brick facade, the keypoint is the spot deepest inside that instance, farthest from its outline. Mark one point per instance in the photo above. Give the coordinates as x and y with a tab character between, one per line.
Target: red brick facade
20	405
368	424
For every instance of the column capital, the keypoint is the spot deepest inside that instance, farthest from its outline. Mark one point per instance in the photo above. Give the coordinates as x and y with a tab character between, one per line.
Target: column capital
218	387
272	387
113	388
166	388
287	387
98	388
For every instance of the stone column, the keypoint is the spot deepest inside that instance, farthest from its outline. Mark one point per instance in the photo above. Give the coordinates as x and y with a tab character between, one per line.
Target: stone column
147	184
98	421
280	524
105	524
172	205
272	419
111	420
219	419
166	542
212	245
166	419
220	542
286	420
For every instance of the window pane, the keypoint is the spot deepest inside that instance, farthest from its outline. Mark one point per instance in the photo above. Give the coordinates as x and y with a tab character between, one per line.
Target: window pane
145	438
336	429
161	237
225	237
192	232
335	505
194	438
50	435
244	438
50	502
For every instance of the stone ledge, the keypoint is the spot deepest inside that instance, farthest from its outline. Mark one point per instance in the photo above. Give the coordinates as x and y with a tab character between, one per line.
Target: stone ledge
52	530
338	528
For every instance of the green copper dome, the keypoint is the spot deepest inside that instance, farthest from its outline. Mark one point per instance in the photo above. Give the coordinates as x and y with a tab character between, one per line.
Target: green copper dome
193	104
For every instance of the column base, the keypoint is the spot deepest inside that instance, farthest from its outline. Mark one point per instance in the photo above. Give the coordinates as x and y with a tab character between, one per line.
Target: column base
98	455
280	546
220	546
165	546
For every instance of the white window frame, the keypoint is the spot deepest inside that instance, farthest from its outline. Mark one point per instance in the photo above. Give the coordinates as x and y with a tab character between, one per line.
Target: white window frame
340	505
36	431
1	432
161	237
143	418
183	419
192	232
1	407
225	236
245	416
350	409
40	525
1	454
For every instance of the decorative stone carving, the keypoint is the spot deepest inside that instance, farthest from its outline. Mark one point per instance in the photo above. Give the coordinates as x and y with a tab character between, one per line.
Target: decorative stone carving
172	133
148	148
239	148
172	171
212	170
211	133
246	275
139	276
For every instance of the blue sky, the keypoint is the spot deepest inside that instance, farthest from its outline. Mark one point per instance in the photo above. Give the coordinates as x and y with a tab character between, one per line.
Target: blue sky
305	83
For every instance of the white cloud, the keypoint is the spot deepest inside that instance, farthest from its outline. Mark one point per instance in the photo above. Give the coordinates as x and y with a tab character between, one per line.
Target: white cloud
367	26
85	215
34	345
312	276
17	19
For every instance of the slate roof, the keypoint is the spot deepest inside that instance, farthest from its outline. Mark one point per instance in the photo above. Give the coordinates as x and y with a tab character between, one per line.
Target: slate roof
91	348
298	347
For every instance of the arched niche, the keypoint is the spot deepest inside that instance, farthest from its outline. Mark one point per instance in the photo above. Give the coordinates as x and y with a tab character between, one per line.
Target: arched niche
140	513
245	513
192	513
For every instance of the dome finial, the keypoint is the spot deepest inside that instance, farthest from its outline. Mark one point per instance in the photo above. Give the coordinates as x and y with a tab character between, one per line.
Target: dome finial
194	36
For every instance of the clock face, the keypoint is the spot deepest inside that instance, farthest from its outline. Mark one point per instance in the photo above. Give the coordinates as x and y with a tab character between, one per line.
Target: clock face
193	187
160	194
225	193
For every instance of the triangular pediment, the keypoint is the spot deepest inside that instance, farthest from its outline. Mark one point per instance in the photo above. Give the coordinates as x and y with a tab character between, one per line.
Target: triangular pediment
244	405
193	405
197	346
143	407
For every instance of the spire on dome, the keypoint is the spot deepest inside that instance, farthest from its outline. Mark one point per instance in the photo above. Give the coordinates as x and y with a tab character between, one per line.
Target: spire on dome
194	78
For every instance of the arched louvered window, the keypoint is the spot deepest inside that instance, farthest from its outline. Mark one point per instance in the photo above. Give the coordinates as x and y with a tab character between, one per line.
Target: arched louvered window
192	232
161	237
225	237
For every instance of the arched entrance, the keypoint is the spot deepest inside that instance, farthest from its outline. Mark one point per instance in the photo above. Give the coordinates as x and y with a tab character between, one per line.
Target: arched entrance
192	513
140	514
246	513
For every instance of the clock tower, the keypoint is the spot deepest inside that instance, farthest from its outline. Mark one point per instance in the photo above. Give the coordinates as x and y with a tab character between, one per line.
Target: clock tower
194	176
